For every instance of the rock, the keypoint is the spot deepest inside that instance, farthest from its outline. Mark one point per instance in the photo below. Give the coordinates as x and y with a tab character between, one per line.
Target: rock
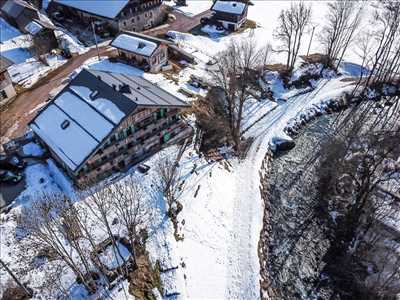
279	144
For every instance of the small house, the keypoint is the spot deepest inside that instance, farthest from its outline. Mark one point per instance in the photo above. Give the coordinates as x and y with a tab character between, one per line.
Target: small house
231	14
143	51
7	91
112	15
105	122
29	20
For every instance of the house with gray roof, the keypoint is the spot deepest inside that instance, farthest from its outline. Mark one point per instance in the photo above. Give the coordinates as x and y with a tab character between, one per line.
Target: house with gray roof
105	122
140	50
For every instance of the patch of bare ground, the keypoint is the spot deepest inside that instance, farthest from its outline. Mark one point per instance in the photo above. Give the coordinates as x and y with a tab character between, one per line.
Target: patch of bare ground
145	278
315	58
249	24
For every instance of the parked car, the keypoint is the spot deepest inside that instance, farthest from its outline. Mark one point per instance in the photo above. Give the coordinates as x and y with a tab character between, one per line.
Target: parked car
11	163
57	16
10	177
143	168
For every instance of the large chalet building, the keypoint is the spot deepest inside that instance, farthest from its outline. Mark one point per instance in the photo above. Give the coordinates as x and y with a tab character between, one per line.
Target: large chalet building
230	14
113	15
104	122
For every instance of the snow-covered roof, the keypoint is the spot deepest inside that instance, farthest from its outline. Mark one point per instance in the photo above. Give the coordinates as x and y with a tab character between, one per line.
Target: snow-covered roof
232	7
105	8
71	128
134	44
33	27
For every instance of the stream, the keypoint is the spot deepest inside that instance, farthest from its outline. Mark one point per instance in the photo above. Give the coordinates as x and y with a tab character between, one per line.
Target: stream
294	240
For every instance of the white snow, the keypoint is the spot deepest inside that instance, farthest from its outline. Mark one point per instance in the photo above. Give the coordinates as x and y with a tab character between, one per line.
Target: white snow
86	129
72	144
109	8
13	44
33	27
114	257
211	29
232	7
68	42
193	7
134	44
84	114
105	106
32	149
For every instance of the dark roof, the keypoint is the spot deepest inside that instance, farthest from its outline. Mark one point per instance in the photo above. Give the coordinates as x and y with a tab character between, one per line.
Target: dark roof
109	9
89	79
141	91
4	63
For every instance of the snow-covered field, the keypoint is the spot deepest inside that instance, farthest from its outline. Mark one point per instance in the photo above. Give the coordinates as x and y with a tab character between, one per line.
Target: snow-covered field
222	208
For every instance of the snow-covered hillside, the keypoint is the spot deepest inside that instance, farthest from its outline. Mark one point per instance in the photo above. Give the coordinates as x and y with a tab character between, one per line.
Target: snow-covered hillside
222	208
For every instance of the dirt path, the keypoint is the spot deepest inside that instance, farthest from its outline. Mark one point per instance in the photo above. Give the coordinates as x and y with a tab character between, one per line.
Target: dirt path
15	117
183	23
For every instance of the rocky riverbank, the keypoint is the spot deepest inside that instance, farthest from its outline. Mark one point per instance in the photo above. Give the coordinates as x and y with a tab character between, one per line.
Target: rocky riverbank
292	241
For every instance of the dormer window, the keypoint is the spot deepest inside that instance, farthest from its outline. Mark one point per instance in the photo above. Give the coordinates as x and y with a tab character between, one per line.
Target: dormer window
65	124
93	94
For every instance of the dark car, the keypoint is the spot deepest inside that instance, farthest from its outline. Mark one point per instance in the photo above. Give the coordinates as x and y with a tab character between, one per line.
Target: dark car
11	163
142	168
57	16
10	177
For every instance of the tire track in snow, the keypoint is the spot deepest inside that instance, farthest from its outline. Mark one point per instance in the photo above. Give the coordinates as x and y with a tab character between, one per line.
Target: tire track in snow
243	263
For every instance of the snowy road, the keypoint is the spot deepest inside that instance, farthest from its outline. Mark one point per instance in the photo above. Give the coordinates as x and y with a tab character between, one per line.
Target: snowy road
243	267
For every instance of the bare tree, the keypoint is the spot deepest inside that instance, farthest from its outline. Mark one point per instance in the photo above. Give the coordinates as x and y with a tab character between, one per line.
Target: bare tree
169	177
357	164
170	184
292	25
235	72
99	203
42	225
131	210
343	19
384	50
